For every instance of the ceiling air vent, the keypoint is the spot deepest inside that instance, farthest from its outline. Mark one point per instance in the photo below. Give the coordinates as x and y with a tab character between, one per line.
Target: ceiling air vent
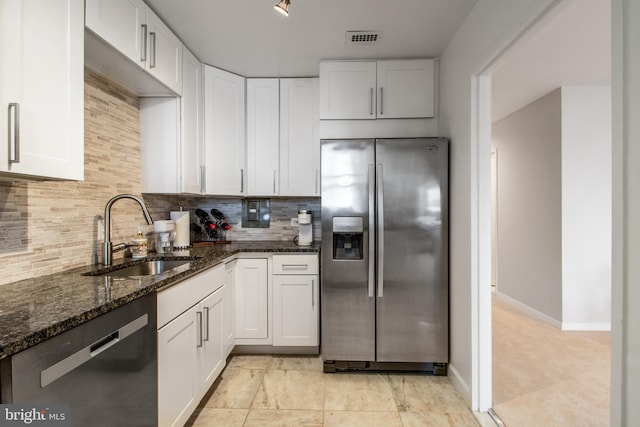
363	38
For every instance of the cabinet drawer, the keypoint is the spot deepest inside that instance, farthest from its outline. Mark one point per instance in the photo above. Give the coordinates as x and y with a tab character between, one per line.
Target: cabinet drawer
295	264
180	297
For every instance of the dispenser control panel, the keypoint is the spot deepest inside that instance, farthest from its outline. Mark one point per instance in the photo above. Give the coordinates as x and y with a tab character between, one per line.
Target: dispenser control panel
348	232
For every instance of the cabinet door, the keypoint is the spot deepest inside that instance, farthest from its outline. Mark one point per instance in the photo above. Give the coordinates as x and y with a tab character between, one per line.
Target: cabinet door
348	90
224	131
299	137
178	386
251	299
160	144
42	88
192	142
211	354
262	137
295	310
406	88
229	320
164	59
120	23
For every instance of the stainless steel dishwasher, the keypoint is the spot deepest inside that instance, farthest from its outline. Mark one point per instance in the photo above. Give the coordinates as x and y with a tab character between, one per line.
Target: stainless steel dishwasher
105	369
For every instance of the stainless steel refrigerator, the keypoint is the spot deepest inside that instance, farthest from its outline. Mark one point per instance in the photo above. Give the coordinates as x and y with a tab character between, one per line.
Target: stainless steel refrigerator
384	257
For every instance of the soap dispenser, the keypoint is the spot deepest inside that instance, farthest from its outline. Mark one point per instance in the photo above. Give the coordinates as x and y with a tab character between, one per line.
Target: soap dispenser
139	245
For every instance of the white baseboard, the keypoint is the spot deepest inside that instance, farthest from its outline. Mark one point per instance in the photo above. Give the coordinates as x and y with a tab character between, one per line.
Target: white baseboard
541	317
459	384
525	310
568	326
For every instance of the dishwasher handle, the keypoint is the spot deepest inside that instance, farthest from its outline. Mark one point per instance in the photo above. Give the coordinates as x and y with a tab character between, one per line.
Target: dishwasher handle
68	364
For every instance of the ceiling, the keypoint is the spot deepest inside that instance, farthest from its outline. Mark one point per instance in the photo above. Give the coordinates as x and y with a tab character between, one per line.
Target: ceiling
250	38
572	46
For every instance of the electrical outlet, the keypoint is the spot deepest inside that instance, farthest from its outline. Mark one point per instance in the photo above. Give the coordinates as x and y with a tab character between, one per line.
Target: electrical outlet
294	222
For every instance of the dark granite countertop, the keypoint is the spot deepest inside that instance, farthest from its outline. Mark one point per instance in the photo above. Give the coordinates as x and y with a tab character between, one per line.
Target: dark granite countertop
34	310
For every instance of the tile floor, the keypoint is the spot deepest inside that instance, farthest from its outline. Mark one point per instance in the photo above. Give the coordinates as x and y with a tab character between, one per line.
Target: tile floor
269	391
543	376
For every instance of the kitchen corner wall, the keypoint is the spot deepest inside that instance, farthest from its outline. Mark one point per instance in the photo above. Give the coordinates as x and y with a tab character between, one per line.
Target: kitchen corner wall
50	226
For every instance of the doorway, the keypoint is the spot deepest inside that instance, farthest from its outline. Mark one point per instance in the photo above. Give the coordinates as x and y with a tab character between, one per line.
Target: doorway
485	82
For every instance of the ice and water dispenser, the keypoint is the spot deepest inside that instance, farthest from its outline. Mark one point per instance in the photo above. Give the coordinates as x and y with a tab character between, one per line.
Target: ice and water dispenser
348	239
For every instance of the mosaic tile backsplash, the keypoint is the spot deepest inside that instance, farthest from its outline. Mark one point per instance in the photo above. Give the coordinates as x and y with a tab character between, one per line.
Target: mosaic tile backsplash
50	226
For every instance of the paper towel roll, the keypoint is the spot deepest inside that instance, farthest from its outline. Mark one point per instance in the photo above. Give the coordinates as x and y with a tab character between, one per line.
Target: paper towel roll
183	235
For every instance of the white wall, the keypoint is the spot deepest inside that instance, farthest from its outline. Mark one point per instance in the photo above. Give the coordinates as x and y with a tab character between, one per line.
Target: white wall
586	208
487	31
529	143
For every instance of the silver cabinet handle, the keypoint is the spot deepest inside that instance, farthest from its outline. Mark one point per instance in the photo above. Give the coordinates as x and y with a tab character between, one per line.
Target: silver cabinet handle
313	293
371	102
381	102
199	326
206	324
274	181
316	184
241	180
372	233
380	229
143	50
14	132
152	35
294	267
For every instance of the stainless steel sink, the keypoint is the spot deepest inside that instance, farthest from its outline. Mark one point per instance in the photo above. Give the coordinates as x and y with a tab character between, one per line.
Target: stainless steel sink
148	268
144	268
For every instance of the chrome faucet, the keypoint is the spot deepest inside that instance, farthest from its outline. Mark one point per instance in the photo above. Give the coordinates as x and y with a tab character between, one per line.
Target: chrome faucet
108	246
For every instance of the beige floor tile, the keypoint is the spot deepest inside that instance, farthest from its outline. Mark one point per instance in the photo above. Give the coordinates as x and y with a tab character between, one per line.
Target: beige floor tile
421	393
306	363
437	419
216	417
283	418
237	388
251	362
361	419
290	389
358	392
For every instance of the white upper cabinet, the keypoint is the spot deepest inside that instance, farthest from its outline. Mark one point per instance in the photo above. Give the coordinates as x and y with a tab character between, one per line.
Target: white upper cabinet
171	141
263	132
164	53
121	23
405	88
132	29
299	138
224	132
42	89
348	90
383	89
192	151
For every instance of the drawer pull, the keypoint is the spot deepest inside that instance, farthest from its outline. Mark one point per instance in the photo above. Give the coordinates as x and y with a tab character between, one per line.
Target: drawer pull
295	266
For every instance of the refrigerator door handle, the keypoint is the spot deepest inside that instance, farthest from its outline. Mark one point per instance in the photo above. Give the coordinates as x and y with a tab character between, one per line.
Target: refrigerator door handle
380	229
372	227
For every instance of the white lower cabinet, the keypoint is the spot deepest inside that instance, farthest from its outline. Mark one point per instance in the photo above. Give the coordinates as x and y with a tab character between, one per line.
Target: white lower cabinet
295	310
191	351
252	301
177	374
295	300
229	321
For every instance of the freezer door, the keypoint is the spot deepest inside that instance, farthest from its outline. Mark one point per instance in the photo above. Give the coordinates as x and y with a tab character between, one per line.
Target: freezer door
412	292
347	274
